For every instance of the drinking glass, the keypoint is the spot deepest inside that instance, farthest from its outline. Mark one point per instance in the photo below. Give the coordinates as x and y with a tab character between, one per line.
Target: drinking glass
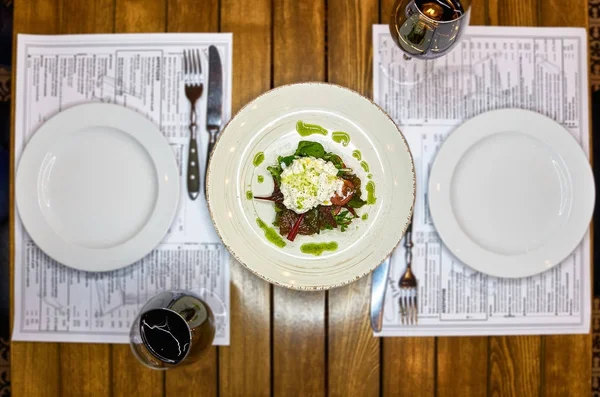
172	328
428	29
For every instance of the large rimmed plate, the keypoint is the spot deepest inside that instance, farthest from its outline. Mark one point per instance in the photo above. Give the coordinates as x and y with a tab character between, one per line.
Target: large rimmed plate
511	193
97	187
267	125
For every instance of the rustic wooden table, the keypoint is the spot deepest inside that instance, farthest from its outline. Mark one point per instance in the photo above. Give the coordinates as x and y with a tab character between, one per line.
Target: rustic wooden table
287	343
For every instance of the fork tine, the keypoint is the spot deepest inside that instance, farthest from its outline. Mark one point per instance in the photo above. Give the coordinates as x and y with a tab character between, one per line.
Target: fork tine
416	306
199	61
185	63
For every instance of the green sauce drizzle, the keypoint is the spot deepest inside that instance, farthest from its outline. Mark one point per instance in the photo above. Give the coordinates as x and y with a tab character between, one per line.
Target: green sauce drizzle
258	159
317	249
371	199
364	166
271	234
261	179
340	137
357	155
305	129
365	217
249	195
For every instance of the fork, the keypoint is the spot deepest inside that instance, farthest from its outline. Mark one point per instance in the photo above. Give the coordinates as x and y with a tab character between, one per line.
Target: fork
192	77
408	284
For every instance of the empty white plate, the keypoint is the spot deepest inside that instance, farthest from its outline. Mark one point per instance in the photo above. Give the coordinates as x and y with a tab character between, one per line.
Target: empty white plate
97	187
511	193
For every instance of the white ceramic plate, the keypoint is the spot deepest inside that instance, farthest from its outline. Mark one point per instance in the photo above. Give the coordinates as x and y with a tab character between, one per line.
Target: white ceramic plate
267	125
97	187
511	193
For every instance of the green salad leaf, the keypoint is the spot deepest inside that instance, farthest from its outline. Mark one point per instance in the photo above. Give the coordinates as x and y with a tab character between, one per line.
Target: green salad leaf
310	149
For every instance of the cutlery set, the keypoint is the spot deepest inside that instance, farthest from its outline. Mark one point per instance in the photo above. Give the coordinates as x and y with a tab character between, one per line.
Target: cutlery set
194	87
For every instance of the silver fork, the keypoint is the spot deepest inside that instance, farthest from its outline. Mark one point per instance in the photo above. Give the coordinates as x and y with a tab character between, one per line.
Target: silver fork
192	77
409	308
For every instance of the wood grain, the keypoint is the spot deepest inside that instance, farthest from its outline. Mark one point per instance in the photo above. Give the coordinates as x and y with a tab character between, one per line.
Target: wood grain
561	376
353	351
140	16
98	16
462	366
408	367
85	369
200	378
299	338
35	367
513	12
514	366
245	365
129	376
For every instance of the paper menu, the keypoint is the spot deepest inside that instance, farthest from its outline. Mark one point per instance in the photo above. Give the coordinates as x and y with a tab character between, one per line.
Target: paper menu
541	69
142	72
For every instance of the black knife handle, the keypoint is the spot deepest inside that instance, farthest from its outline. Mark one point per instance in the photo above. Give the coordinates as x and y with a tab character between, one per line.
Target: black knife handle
212	139
193	170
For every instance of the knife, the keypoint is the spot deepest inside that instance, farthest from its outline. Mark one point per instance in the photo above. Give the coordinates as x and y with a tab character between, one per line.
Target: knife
379	283
214	104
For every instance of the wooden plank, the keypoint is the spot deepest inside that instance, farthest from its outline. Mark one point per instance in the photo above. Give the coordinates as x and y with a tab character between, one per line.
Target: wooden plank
299	337
140	16
85	369
353	352
572	376
79	360
130	377
457	357
245	365
353	360
201	377
97	16
35	369
513	12
414	359
514	360
462	364
515	366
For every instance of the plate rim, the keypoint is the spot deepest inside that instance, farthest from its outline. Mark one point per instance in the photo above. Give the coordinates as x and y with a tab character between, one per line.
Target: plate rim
447	224
160	218
298	287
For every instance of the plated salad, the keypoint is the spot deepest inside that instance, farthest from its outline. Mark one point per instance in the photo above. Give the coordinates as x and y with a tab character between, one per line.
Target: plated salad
314	191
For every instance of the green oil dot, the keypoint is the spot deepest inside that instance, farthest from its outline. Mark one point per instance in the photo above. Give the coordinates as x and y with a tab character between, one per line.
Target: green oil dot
261	179
249	195
341	137
357	155
270	234
364	166
305	129
370	176
371	199
317	249
258	159
364	217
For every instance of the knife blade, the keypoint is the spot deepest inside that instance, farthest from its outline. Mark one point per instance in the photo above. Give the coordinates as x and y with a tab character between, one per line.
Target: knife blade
214	103
378	287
